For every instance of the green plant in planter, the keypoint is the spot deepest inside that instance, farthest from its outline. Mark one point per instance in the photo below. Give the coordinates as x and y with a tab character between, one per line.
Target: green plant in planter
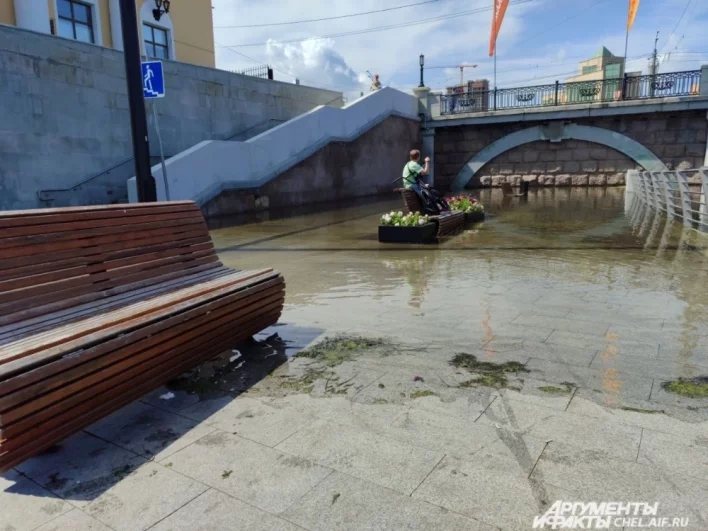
465	204
399	219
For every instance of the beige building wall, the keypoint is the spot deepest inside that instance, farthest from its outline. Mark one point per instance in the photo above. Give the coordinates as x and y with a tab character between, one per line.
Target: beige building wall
7	12
194	32
189	23
104	8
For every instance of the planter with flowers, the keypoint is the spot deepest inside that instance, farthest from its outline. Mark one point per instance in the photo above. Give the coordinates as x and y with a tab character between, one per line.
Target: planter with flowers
473	209
397	227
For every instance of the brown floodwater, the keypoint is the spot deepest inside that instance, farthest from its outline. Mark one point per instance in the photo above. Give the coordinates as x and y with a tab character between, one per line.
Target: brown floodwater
574	248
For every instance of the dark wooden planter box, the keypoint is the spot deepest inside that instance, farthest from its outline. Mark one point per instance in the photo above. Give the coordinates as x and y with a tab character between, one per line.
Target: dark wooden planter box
474	217
422	234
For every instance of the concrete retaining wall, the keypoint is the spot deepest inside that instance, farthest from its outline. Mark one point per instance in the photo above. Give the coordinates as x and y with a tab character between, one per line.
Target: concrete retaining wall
64	114
340	170
210	168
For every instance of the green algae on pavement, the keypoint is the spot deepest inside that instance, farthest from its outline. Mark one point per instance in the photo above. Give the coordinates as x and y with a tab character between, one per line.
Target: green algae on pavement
470	362
486	380
552	389
306	382
640	410
422	393
490	374
690	387
337	350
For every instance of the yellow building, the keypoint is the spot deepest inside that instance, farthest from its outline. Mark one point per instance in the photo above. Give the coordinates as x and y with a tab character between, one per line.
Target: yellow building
184	34
604	65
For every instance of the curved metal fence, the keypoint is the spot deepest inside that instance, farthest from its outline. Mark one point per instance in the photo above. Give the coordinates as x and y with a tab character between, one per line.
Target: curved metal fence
626	88
680	194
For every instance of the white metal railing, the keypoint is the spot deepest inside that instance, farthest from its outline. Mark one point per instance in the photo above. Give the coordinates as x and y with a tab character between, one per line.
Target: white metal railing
680	194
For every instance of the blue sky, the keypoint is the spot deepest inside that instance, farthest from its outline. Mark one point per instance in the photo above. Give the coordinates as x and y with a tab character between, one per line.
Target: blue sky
540	40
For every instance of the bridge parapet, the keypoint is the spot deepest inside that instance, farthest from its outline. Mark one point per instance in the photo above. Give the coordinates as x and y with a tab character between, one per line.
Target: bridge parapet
632	90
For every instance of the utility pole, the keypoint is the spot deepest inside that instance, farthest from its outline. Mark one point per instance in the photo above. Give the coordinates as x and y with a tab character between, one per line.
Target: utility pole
145	182
654	67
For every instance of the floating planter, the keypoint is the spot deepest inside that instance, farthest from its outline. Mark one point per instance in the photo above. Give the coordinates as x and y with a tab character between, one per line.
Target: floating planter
474	217
469	206
397	227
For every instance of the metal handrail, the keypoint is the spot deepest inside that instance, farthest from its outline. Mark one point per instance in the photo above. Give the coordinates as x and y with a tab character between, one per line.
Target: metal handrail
41	193
254	126
625	88
670	191
73	188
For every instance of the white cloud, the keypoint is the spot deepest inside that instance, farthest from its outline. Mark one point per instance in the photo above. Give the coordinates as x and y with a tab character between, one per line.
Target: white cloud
536	44
313	61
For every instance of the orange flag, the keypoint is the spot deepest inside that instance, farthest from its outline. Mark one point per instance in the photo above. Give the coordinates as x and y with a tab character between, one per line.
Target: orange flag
499	12
633	6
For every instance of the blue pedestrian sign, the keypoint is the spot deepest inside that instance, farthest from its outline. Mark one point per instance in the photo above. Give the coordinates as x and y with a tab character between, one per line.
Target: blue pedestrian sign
153	80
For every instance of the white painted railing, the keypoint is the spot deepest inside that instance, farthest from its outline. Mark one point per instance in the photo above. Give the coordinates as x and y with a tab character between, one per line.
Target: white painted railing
681	194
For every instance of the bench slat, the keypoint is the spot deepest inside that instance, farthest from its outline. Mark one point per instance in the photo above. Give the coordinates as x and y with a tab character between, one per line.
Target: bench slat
12	409
90	234
81	210
101	304
75	291
124	223
96	328
22	288
34	311
128	392
103	265
74	313
17	267
15	375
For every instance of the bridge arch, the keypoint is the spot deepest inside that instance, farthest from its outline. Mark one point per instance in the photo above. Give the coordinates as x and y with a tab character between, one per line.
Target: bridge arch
557	132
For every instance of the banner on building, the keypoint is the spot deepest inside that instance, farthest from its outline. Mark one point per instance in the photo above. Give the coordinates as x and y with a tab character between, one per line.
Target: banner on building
497	17
633	6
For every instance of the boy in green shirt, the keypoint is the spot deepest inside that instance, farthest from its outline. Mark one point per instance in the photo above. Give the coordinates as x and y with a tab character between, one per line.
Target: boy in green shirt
413	170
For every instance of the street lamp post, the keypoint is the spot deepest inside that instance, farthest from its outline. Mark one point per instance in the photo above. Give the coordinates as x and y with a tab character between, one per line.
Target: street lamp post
422	63
136	102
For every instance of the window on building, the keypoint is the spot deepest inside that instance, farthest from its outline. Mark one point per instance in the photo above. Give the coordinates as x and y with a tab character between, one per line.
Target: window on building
75	20
612	71
589	69
155	42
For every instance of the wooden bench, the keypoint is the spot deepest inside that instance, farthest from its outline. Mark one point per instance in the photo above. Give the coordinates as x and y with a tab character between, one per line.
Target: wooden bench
100	305
448	222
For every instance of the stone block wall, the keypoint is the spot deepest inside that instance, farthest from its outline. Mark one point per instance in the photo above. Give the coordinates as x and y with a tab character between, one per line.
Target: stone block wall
64	114
338	171
678	139
567	163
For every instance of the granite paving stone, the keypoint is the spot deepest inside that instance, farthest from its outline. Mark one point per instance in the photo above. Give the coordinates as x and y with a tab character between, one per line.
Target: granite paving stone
25	505
216	511
148	431
382	460
74	520
347	503
256	474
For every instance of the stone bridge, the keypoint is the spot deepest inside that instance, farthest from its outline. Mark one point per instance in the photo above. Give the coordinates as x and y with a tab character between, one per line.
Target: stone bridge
574	145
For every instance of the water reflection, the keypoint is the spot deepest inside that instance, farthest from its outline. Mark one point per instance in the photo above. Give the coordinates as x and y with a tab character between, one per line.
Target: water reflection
575	253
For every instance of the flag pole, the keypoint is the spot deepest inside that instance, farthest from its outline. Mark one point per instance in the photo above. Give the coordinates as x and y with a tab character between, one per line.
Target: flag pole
495	67
626	44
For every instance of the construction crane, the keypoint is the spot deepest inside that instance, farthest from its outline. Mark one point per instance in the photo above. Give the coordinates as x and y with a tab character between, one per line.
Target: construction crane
461	67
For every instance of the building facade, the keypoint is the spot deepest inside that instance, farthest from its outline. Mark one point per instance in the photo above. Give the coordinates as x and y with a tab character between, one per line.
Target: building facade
604	65
185	34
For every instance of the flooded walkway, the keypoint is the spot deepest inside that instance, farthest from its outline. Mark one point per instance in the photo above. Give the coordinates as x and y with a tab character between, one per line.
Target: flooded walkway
559	351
